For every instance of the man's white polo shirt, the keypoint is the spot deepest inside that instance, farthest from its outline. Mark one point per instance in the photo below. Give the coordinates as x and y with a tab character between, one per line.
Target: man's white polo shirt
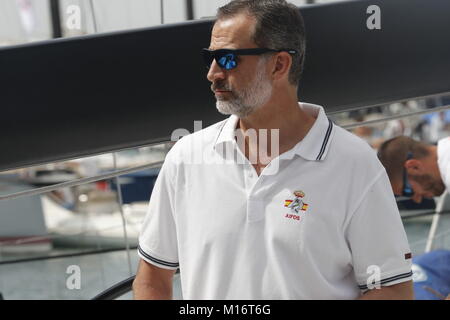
323	225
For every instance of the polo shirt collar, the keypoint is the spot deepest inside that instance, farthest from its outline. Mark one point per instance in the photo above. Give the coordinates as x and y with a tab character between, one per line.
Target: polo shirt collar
315	144
227	130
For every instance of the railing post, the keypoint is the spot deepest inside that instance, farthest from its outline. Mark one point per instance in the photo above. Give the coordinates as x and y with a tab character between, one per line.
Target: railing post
56	18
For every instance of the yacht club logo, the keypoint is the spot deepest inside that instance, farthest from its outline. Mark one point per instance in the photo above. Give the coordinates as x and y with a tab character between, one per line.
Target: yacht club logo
297	205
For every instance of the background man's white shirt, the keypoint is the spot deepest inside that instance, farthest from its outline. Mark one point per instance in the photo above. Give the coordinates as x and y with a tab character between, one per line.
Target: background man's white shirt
444	161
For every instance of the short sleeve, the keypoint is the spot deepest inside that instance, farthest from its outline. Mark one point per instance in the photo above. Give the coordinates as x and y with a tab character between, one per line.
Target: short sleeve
377	239
158	237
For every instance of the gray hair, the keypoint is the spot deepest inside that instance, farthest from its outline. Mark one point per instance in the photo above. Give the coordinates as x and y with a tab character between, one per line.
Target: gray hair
279	25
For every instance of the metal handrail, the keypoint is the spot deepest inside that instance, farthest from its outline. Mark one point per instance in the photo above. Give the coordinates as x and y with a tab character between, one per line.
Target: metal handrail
116	290
72	183
65	255
394	117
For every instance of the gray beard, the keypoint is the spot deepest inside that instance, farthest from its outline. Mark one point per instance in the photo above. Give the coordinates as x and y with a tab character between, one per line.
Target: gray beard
251	98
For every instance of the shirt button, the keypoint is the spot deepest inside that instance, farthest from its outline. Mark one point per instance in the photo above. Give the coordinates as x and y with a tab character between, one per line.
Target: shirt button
250	174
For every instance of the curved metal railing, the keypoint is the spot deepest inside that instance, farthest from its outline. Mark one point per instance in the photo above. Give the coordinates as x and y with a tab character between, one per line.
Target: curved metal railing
117	290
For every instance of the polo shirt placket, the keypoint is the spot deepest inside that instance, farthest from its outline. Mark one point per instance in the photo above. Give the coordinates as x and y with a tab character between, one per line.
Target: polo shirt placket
255	205
313	149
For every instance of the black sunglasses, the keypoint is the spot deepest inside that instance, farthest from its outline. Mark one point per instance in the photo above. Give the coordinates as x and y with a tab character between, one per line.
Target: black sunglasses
226	58
407	189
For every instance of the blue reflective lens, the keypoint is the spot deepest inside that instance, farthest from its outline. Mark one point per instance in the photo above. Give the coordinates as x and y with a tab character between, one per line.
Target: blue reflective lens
407	189
227	61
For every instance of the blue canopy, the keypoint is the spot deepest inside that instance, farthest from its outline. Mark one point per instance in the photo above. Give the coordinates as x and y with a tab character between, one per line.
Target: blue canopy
431	275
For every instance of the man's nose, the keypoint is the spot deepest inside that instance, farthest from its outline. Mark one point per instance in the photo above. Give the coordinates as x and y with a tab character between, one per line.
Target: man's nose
215	72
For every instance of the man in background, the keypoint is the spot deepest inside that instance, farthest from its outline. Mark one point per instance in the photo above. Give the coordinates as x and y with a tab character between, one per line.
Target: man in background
416	169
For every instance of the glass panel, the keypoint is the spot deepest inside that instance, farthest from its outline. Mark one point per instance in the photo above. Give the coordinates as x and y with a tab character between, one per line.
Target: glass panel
24	21
417	230
79	277
80	226
84	218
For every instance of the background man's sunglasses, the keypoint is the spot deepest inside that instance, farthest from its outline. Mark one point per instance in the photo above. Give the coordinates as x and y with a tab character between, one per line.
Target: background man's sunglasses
226	58
407	189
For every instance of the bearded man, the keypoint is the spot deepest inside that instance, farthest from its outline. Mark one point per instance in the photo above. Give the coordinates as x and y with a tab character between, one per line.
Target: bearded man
225	223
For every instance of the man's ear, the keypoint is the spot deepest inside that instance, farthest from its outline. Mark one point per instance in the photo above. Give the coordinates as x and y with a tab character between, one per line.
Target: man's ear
283	62
414	167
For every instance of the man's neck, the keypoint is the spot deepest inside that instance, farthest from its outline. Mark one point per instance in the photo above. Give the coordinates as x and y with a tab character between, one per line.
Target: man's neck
292	122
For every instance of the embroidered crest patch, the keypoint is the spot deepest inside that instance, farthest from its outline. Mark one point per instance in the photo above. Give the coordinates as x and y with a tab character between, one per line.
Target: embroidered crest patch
297	205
